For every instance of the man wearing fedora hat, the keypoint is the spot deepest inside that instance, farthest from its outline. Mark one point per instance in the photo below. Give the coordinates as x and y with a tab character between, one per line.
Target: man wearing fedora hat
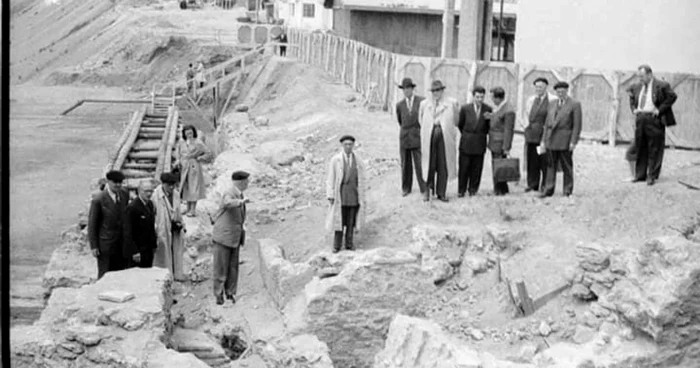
409	139
438	118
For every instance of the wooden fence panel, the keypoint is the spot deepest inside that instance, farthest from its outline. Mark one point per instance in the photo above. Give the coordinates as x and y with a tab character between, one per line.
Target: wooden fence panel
350	62
595	94
454	74
687	111
261	34
490	74
245	34
362	68
625	118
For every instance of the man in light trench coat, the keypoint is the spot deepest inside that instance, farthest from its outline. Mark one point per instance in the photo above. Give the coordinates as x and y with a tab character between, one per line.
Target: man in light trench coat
345	190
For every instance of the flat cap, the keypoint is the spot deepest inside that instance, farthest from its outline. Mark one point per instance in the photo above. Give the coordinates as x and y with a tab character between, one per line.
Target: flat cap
346	138
168	178
239	175
115	176
561	84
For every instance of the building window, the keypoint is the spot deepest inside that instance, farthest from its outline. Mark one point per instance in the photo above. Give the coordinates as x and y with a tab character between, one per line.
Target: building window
309	11
291	9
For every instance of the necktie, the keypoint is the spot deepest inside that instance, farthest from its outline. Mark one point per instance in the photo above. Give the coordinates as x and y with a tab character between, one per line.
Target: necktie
643	98
478	110
116	197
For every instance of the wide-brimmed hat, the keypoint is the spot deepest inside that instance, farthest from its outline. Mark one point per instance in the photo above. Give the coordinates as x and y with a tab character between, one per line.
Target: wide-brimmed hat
437	86
407	83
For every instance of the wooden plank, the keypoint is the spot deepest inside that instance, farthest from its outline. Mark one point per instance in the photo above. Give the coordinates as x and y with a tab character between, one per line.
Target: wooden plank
120	143
541	301
355	64
525	300
143	155
167	167
160	163
129	140
139	166
228	100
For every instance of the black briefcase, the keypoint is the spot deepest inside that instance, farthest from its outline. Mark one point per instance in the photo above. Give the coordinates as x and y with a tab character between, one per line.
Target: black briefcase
506	169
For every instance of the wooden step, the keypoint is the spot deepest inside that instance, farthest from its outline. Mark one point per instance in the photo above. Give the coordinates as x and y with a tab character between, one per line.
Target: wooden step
146	145
143	155
155	116
146	129
132	173
150	135
139	166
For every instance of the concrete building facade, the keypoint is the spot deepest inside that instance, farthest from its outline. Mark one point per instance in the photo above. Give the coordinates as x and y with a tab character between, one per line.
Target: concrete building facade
305	14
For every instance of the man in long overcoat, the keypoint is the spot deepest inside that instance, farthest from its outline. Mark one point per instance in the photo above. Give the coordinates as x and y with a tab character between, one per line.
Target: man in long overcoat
438	118
409	140
169	226
345	190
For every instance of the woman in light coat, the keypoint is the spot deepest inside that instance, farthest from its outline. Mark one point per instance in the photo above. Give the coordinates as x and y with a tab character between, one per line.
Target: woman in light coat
190	153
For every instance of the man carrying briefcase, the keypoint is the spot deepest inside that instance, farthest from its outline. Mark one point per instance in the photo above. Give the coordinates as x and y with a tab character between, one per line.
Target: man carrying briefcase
500	141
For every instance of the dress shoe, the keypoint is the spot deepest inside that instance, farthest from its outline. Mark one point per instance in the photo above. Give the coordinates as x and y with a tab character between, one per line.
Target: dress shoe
460	195
545	195
335	250
444	199
651	181
231	298
405	194
529	190
220	299
471	194
637	180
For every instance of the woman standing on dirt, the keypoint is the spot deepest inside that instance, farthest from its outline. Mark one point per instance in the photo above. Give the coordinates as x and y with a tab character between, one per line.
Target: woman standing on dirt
190	153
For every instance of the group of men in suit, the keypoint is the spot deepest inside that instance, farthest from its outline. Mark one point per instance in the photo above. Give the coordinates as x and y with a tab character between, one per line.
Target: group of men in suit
123	234
428	138
428	133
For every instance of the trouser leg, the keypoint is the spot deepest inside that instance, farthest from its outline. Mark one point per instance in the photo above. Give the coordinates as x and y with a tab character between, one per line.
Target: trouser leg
552	158
476	168
231	284
146	258
350	227
417	157
567	168
642	145
440	163
406	171
533	167
220	267
499	188
463	173
656	139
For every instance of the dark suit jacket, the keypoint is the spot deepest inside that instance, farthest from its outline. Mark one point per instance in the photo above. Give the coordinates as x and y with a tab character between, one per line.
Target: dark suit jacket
106	222
537	119
563	128
663	98
501	129
474	129
408	121
139	228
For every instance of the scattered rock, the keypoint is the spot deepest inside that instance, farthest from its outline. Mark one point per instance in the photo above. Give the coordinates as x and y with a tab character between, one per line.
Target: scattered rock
476	334
241	108
593	257
116	296
281	153
527	353
71	266
201	269
463	281
581	292
350	98
544	329
261	121
476	263
583	334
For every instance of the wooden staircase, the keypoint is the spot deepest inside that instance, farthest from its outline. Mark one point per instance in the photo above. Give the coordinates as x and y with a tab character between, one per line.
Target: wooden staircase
146	146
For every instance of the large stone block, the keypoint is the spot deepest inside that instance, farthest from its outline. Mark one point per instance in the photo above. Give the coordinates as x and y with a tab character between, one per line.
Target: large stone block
351	312
440	248
418	343
661	293
282	278
71	266
77	329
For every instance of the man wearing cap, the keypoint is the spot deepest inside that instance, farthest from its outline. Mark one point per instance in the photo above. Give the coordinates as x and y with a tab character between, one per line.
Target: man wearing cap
536	109
409	140
106	224
501	125
140	239
562	131
438	118
169	226
228	236
651	101
474	127
345	190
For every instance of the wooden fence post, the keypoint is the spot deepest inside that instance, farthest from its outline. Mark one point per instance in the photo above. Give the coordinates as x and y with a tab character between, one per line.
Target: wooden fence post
387	88
327	65
355	60
345	61
370	57
614	80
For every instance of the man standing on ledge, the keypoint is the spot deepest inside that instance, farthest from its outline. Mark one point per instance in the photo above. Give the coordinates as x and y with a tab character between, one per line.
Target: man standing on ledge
409	140
345	190
438	118
229	236
106	224
561	134
651	102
